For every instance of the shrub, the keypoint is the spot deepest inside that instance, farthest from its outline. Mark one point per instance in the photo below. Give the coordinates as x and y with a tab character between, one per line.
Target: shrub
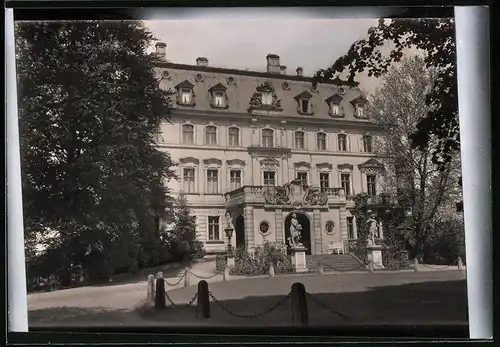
198	250
446	243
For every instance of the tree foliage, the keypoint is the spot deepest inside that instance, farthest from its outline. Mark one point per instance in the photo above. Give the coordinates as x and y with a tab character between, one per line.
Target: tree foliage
423	186
89	108
384	46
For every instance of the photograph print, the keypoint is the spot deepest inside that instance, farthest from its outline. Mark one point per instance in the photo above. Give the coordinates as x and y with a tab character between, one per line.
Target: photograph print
241	170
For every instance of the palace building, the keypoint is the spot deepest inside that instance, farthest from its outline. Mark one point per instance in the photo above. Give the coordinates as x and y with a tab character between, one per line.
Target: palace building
263	145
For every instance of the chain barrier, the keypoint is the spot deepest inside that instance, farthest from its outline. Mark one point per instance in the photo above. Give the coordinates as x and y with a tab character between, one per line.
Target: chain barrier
333	268
203	277
174	284
319	303
440	268
264	313
189	304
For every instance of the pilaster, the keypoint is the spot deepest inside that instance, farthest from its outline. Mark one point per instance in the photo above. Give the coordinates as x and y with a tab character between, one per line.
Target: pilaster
317	244
343	223
249	227
279	230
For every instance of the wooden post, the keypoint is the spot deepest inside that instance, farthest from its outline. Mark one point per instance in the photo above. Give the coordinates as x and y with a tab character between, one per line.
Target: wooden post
460	263
300	314
203	307
415	265
151	288
160	302
320	268
370	265
271	270
186	277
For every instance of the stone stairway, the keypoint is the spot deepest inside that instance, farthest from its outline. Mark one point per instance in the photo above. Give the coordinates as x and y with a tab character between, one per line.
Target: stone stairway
335	263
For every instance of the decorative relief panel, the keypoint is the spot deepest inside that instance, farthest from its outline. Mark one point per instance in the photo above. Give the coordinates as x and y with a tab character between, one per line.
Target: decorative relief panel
265	98
295	194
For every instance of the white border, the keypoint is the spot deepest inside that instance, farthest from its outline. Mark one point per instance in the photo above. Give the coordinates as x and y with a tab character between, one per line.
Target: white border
472	37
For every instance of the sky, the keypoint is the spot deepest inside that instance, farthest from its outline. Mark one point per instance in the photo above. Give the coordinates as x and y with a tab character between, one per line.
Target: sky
242	38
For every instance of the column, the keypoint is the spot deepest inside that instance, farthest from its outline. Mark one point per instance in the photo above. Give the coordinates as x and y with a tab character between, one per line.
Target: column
278	220
249	227
318	242
343	223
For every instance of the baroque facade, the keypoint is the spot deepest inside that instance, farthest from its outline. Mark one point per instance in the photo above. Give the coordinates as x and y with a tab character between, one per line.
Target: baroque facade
262	145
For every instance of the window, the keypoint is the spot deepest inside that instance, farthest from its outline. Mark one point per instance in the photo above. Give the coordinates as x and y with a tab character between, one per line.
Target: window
334	109
350	227
188	181
345	180
342	142
211	135
219	99
269	178
187	134
302	177
213	228
267	138
212	181
324	180
234	137
304	105
321	141
359	111
185	96
371	182
267	99
367	143
235	179
299	139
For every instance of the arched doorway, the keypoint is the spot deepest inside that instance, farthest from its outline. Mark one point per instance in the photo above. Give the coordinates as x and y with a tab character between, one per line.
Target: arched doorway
239	228
304	221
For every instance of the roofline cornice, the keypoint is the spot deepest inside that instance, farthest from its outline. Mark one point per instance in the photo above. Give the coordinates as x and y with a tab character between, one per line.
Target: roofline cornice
297	121
336	82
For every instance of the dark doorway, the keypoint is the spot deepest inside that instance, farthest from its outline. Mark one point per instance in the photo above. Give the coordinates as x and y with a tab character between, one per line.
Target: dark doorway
239	227
306	230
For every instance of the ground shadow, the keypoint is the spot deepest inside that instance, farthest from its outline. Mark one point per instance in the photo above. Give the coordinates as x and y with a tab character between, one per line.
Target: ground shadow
424	303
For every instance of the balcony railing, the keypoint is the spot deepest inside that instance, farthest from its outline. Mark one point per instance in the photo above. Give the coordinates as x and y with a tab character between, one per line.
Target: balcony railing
379	200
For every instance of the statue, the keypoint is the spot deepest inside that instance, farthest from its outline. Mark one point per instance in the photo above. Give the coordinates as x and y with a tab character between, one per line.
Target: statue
229	221
372	229
295	229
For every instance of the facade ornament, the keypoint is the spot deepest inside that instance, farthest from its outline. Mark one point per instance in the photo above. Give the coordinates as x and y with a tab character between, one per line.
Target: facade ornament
296	194
256	100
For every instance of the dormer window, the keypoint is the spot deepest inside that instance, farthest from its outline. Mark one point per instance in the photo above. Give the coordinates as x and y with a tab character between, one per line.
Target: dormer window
359	104
334	105
304	103
218	96
185	93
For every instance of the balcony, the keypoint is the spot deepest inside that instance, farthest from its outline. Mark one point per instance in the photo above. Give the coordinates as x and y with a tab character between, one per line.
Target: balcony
279	150
382	200
281	196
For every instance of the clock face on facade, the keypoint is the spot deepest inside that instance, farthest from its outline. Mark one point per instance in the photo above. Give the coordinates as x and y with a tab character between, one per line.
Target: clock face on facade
264	227
330	227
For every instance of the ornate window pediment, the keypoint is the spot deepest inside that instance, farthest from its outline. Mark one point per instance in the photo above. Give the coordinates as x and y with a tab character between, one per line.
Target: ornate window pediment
235	162
302	164
359	104
269	163
304	105
345	166
334	108
324	166
371	165
189	160
265	98
185	94
218	96
213	162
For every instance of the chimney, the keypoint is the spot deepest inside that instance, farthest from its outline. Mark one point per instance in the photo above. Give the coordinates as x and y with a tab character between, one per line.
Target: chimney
161	50
273	63
202	61
283	69
299	71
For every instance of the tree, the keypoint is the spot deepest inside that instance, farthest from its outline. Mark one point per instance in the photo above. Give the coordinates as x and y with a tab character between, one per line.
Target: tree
434	37
183	236
89	110
424	188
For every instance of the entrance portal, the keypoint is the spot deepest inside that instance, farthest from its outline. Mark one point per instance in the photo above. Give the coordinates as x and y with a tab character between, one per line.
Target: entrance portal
305	233
239	228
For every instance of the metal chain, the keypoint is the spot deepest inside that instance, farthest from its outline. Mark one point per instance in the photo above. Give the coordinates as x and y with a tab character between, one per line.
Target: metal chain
264	313
190	303
327	308
439	268
203	277
331	267
179	281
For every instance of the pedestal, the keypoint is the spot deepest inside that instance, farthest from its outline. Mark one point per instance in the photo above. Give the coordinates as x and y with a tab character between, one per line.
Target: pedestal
230	260
299	259
374	254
